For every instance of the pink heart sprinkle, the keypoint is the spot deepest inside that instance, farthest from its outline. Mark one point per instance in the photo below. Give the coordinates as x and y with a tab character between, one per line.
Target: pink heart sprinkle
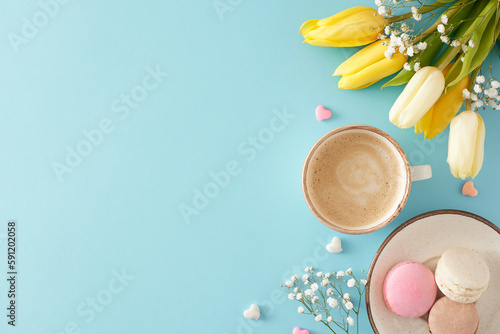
469	189
322	113
297	330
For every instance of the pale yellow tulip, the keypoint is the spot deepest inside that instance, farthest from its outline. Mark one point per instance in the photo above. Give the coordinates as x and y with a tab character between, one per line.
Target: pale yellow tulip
466	144
419	95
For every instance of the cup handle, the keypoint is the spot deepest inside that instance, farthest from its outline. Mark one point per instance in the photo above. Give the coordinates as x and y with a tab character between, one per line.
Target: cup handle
422	172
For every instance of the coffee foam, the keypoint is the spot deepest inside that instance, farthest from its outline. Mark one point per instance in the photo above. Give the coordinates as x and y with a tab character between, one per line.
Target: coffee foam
355	179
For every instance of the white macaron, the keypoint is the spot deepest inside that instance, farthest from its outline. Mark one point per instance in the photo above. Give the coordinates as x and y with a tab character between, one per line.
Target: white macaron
462	275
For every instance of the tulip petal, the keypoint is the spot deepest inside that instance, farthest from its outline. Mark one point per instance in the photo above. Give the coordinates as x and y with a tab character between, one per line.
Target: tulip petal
361	59
440	115
466	144
479	149
421	92
352	27
373	72
307	26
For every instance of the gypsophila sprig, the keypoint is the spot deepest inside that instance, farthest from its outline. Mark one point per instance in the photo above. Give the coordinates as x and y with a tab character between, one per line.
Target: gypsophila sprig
329	297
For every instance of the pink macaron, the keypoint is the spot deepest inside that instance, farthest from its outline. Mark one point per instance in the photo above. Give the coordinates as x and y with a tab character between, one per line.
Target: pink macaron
410	289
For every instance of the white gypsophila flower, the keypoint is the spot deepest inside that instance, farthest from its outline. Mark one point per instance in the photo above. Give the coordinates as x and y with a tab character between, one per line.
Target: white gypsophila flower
329	292
349	305
491	92
314	299
332	302
404	27
318	318
291	296
416	66
306	282
388	54
314	287
466	94
351	282
309	293
349	271
340	274
480	79
471	43
444	19
319	273
440	28
410	51
417	17
462	58
347	296
402	49
407	67
478	89
414	10
307	269
350	321
382	10
473	97
455	43
492	103
328	275
495	84
422	46
477	104
295	278
299	296
329	319
445	39
464	48
305	277
387	30
325	282
363	281
378	3
289	284
296	290
301	309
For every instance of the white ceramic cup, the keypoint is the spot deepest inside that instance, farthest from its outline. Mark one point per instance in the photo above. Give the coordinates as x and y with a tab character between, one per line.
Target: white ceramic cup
409	173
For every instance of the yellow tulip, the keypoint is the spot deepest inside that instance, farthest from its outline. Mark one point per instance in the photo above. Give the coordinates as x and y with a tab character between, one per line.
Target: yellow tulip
443	111
351	27
368	66
466	144
419	95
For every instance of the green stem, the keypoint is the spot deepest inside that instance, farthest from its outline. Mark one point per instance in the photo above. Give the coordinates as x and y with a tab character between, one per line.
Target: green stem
422	10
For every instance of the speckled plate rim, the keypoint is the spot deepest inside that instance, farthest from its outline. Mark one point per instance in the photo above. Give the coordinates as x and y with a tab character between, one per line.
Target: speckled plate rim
399	229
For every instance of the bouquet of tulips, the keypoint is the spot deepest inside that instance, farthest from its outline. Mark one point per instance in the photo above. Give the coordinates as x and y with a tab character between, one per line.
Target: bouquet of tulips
439	50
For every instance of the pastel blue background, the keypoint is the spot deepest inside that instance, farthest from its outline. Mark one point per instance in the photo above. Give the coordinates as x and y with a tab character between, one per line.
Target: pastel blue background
118	209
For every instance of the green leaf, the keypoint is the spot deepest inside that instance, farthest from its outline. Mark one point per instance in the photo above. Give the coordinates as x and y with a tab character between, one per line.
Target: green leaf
481	50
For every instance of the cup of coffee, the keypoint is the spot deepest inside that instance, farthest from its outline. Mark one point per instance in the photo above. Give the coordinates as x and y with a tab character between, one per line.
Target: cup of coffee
356	179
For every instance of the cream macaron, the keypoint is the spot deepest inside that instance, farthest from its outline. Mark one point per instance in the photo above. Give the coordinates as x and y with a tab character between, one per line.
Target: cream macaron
462	275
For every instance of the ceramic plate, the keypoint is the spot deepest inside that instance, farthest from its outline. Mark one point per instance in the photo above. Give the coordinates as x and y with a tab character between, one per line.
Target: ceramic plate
423	239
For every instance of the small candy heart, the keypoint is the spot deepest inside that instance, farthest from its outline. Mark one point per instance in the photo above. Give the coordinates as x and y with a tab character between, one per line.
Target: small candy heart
469	190
335	246
297	330
322	113
252	313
